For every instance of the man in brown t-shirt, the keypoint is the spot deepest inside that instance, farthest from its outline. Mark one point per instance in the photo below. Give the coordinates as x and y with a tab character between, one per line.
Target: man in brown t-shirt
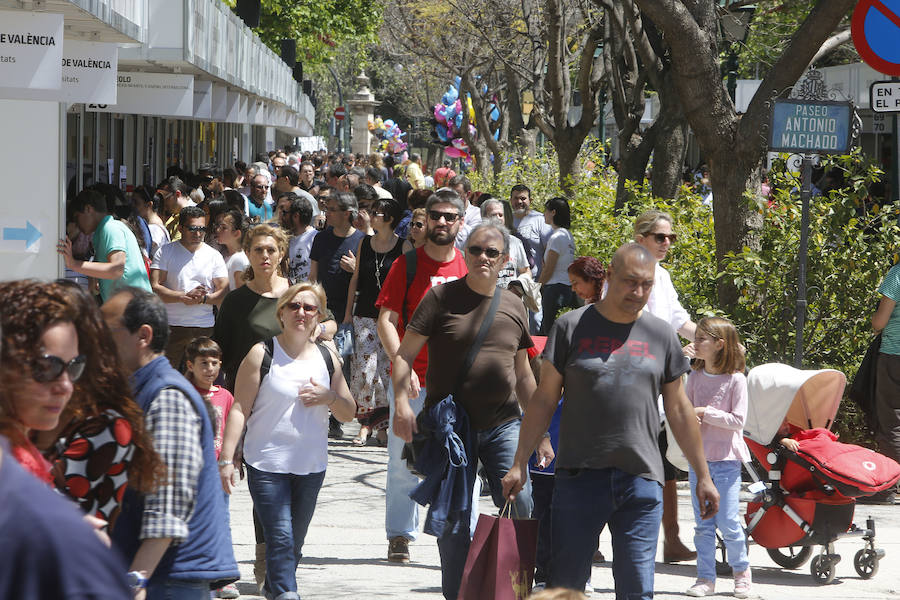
499	382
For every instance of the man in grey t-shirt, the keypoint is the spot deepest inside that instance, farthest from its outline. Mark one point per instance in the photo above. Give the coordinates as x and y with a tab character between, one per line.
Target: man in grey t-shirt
613	359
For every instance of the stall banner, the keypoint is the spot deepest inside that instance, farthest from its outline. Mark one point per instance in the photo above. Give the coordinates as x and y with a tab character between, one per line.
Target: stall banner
156	94
88	75
203	99
31	50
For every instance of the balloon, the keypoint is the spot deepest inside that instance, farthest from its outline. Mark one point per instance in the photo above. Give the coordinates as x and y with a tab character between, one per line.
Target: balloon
459	143
495	113
439	113
441	132
454	152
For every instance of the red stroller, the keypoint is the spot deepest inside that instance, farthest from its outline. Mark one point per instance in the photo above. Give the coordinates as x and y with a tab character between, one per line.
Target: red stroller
806	498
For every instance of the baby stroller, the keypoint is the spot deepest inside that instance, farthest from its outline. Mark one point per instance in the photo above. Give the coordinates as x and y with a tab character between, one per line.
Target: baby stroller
806	498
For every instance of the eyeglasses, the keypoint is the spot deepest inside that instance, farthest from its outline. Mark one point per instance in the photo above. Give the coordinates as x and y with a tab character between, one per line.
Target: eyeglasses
478	250
661	237
260	187
417	225
47	368
435	215
379	215
196	228
295	306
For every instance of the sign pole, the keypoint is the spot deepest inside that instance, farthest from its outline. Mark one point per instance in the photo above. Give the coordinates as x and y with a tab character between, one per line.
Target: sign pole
805	193
895	156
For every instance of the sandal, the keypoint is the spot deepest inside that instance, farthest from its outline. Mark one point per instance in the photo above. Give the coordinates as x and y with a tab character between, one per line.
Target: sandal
381	438
362	437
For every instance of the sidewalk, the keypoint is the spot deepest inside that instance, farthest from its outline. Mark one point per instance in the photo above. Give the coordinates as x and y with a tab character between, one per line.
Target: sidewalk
345	551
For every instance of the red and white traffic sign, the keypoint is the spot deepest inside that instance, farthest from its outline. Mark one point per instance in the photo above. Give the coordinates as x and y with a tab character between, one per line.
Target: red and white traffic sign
340	113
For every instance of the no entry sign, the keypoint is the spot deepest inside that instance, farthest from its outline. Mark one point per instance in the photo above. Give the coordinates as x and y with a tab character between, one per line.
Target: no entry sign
340	113
876	31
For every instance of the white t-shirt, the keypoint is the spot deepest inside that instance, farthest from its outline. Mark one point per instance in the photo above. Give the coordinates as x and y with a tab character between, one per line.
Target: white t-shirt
663	302
185	270
535	232
517	261
561	242
236	262
298	255
283	435
159	237
471	219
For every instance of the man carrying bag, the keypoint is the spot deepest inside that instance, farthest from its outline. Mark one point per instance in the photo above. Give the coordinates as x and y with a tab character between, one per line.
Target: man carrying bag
496	384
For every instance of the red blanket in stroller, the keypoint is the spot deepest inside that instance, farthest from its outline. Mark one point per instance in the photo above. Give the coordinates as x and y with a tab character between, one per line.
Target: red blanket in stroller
852	470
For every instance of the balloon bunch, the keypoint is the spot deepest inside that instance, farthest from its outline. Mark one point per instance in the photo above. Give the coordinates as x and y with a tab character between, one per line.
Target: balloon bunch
389	134
449	118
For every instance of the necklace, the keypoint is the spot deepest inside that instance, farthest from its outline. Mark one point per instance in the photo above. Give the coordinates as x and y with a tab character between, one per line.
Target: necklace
379	263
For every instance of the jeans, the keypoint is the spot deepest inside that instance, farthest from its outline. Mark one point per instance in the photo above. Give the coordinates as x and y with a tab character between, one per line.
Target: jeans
542	494
174	589
554	296
496	450
401	513
584	500
285	504
726	476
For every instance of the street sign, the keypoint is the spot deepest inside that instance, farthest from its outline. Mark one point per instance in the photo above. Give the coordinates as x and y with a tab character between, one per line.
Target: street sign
875	29
810	127
340	113
884	96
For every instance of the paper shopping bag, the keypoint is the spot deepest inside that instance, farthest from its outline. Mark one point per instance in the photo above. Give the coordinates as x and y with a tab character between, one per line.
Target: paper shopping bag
500	563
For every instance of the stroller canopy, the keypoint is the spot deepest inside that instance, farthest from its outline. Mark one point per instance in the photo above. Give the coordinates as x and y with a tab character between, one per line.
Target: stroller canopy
807	399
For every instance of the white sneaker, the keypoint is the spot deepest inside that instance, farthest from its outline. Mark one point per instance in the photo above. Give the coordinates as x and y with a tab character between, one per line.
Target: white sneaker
588	588
703	587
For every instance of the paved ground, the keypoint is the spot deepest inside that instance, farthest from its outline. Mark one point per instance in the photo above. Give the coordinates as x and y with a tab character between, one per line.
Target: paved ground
344	555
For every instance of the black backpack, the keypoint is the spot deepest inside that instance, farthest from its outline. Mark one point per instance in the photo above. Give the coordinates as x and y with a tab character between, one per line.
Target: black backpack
269	349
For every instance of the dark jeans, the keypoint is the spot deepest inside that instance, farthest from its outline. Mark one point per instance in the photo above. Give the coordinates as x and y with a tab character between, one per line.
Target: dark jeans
584	500
887	404
172	589
285	504
496	450
542	494
554	297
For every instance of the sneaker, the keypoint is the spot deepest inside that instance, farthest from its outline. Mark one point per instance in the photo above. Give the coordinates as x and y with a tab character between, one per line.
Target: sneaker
229	591
742	584
538	587
335	429
398	549
703	587
588	588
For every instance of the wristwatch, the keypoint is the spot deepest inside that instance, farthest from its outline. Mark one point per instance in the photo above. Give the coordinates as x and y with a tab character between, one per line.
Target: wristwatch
225	463
136	581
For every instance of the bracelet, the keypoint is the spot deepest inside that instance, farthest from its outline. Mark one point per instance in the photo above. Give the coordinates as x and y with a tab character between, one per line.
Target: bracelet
225	463
204	299
546	435
136	581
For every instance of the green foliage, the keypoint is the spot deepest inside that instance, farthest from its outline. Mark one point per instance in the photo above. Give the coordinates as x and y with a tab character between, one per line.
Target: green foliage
852	244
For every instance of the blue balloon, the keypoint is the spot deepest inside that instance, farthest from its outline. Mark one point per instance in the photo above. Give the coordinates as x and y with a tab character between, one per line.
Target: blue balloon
441	132
450	96
459	120
495	113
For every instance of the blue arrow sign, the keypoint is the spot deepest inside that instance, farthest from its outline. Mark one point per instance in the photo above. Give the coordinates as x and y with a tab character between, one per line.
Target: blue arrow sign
28	234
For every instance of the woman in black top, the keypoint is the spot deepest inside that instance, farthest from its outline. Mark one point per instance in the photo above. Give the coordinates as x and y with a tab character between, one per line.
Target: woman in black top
370	364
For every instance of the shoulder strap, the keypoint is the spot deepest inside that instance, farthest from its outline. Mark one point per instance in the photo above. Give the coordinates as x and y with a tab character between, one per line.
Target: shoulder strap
329	363
268	351
479	339
411	258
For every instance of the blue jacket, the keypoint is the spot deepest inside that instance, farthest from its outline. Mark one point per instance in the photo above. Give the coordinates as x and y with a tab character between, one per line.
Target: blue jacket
207	553
449	475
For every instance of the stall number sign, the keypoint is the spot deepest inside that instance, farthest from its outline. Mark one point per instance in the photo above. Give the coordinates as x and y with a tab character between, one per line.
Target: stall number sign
810	126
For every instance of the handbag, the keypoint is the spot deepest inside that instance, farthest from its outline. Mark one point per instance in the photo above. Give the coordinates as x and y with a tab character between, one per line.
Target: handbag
344	340
412	450
862	389
500	563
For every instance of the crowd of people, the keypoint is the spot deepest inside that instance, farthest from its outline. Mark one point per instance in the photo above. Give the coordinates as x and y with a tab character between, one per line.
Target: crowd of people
231	321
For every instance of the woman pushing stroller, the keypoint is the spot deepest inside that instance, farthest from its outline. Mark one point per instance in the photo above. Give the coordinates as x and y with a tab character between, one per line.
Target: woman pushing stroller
718	390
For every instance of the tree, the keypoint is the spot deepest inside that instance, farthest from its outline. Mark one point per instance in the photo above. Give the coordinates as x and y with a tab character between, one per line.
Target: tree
733	144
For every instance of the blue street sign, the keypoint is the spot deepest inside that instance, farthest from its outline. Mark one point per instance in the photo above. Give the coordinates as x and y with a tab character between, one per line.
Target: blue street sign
28	234
810	127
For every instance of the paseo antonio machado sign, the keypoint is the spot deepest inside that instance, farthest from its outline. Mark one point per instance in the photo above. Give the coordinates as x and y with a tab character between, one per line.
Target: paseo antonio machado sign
810	126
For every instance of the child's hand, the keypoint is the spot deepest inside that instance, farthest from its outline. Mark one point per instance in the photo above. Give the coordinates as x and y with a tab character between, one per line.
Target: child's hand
792	445
699	411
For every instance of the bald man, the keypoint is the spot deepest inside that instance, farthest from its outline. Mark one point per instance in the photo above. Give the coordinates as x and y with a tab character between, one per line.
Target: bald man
614	359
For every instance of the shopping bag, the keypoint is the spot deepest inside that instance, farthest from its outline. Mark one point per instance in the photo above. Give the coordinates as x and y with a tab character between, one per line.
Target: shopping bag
344	340
500	563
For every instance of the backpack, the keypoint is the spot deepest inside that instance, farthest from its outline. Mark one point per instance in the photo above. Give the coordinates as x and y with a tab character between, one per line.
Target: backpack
269	349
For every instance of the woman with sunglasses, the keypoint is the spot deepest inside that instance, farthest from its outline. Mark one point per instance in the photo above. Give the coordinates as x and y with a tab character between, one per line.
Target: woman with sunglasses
556	291
653	230
286	443
369	363
415	238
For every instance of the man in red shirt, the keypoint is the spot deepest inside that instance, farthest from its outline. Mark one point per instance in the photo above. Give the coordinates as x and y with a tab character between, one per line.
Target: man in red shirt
437	262
443	174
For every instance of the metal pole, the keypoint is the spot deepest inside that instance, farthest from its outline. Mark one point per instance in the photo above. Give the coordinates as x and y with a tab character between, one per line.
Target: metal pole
340	124
805	192
895	156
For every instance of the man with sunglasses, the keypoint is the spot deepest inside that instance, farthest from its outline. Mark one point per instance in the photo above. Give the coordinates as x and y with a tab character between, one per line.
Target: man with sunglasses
258	204
497	384
118	261
190	277
437	262
174	193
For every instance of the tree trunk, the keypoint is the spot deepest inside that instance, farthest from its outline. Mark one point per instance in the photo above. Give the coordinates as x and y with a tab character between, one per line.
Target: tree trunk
634	155
671	143
569	168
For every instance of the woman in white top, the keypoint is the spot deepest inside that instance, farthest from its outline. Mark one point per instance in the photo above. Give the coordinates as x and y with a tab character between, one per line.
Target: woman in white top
230	227
556	291
286	444
653	230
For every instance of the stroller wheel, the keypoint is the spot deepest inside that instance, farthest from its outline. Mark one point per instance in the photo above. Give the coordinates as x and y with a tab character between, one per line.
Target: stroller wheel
822	570
791	557
866	563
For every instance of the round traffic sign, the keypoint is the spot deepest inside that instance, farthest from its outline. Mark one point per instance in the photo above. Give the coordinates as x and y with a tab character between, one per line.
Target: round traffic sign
876	28
340	113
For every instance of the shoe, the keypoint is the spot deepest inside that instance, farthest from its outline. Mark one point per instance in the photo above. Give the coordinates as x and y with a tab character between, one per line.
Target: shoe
259	567
398	550
676	552
588	588
703	587
229	591
335	430
742	584
599	559
381	438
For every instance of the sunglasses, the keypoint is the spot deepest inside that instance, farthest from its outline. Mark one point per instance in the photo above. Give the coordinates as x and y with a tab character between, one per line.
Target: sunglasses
435	215
478	250
196	228
47	368
379	215
295	306
661	237
261	187
417	225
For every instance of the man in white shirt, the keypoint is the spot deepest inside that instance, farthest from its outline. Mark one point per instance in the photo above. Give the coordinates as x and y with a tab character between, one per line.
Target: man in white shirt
461	185
299	217
189	277
530	226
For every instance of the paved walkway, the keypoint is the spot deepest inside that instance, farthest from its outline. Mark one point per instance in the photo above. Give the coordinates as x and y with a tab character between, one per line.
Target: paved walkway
345	551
